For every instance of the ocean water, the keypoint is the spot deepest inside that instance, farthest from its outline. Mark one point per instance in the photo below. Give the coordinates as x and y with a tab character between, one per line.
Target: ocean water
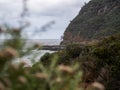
35	55
43	41
30	42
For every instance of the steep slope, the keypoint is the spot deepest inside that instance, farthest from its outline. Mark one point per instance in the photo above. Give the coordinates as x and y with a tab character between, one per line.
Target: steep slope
97	19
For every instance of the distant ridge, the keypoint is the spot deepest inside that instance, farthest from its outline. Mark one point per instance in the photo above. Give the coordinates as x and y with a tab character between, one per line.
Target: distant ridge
96	19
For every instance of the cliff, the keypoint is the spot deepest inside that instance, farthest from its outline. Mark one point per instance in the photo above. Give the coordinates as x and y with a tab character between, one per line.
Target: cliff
96	19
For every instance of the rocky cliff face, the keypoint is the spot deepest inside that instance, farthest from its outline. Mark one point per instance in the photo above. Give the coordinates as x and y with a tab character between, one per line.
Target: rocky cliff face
96	19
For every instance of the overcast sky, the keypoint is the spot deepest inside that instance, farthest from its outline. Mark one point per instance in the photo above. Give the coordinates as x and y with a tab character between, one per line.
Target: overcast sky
48	18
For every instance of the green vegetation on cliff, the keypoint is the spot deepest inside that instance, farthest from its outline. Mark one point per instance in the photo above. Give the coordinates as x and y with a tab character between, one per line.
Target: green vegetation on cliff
97	19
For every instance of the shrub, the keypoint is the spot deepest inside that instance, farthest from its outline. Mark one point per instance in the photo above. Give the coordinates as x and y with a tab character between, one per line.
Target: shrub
40	76
73	50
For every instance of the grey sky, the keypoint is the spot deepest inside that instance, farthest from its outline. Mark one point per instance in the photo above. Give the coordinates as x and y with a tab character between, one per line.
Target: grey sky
42	12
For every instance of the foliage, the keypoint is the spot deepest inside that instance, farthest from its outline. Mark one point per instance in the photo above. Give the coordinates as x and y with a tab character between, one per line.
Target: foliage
105	61
96	19
99	61
73	50
18	76
41	78
108	52
66	56
77	66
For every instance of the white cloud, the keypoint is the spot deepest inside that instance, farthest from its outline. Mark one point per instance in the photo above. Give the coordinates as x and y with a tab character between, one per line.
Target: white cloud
43	5
42	11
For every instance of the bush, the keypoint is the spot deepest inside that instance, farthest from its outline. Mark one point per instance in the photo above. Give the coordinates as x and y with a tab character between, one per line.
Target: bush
73	50
47	75
99	62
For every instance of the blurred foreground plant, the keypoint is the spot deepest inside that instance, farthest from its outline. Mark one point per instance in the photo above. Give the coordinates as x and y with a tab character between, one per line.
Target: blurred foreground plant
37	77
58	77
40	77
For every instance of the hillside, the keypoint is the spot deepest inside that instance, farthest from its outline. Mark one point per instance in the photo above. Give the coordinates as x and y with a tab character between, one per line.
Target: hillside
96	19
